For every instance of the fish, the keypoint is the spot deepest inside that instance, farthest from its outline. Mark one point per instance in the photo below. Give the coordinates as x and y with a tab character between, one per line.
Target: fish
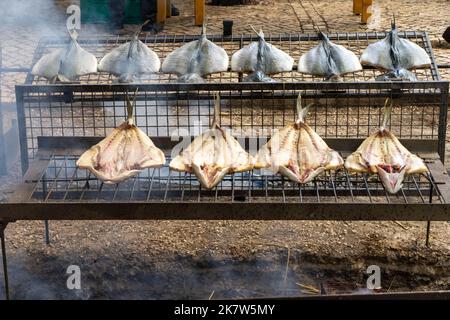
298	152
328	60
213	154
66	64
124	153
396	55
383	154
261	59
131	60
196	59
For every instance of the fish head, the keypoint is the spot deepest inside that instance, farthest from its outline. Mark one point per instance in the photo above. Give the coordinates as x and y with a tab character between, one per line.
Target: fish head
391	177
258	76
209	174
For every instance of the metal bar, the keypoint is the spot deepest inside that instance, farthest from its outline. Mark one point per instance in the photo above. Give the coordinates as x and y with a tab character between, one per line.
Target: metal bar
22	128
4	259
79	144
442	129
236	210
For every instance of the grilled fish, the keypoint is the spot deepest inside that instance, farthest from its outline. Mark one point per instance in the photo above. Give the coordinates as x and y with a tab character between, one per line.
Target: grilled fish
297	152
196	59
122	154
66	64
131	60
396	55
213	154
383	154
261	59
328	60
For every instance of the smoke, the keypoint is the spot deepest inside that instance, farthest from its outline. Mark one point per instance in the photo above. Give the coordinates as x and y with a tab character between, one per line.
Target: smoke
29	12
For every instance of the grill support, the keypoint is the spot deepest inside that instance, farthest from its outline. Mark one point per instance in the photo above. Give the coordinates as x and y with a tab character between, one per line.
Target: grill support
4	259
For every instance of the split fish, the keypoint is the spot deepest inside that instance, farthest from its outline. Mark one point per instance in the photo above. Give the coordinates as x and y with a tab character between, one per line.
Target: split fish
383	154
123	153
213	154
66	64
298	152
328	60
196	59
261	59
131	60
396	55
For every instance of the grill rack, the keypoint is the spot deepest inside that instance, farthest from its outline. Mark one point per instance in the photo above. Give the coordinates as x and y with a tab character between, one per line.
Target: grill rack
293	44
63	181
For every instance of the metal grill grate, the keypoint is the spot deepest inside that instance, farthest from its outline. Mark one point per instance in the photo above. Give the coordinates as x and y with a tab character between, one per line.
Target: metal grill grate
293	44
62	181
343	111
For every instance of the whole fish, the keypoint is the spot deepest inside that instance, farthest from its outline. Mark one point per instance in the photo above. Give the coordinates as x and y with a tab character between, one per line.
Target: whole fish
383	154
298	152
123	153
66	64
213	154
196	59
396	55
131	60
261	59
328	60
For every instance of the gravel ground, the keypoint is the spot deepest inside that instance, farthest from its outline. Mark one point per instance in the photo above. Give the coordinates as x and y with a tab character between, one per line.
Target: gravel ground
200	259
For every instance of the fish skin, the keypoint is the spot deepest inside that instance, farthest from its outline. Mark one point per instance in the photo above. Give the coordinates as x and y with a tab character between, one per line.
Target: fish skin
122	154
212	155
130	61
396	55
328	60
66	64
196	59
383	154
298	152
263	58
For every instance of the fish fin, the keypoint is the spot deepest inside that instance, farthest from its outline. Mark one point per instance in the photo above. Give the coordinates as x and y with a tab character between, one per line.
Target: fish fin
355	163
416	165
177	164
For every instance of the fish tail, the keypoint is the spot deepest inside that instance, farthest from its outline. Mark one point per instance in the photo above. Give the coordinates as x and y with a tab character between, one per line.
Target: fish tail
260	33
216	118
387	113
130	108
302	112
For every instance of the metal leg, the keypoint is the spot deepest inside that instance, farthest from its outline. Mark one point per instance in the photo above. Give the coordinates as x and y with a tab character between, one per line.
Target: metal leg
430	200
428	234
47	236
5	265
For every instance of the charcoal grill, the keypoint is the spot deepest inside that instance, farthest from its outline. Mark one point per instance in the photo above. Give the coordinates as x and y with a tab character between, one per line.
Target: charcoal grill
59	122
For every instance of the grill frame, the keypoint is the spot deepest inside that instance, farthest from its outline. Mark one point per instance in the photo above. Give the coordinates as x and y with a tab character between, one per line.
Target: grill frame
416	101
374	93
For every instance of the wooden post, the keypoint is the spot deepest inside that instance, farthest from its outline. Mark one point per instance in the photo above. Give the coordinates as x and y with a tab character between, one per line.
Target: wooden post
365	15
357	6
161	11
199	12
168	8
